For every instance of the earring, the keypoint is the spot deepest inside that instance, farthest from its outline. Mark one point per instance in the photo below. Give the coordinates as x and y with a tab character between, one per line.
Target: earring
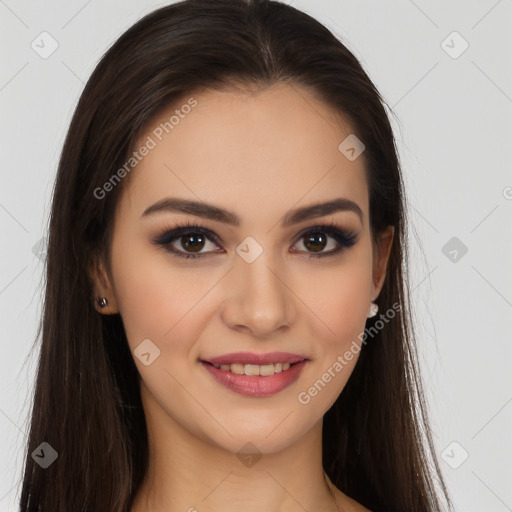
372	311
102	302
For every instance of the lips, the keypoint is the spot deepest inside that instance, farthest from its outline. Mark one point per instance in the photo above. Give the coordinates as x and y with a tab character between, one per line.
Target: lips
255	359
256	385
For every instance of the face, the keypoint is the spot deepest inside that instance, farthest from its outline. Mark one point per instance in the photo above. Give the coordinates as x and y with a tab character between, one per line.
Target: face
258	271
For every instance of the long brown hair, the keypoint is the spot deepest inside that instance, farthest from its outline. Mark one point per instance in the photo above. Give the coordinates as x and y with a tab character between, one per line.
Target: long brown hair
377	446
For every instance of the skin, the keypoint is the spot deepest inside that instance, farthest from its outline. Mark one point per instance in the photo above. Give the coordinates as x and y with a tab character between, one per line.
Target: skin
240	150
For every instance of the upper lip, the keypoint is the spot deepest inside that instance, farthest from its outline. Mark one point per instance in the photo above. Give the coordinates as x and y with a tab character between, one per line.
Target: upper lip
257	359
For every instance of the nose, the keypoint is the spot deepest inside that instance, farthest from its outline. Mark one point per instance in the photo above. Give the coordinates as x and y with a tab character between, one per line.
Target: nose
257	298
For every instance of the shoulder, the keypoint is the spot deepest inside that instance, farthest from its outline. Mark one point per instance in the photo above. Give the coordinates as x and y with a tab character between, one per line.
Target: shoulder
349	505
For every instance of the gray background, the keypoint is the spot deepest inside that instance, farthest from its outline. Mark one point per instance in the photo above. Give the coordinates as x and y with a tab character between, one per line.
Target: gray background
454	134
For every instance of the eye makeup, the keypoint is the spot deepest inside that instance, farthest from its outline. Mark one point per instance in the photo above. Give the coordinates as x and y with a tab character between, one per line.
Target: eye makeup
190	231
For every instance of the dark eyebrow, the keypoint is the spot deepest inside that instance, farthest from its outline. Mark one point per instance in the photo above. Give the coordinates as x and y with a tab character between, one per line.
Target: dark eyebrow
321	209
208	211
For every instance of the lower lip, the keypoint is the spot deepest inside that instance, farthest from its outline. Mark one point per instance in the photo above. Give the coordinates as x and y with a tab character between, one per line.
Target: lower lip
253	385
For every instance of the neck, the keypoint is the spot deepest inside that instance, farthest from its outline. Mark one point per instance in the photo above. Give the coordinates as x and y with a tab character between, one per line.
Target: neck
187	473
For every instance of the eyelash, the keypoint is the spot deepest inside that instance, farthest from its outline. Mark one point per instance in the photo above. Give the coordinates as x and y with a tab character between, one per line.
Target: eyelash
345	239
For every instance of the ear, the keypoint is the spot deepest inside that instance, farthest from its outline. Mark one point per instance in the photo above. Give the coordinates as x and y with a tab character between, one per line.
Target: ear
102	286
380	261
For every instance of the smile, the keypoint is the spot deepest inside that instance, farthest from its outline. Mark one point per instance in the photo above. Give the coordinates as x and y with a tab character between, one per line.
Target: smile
247	379
254	369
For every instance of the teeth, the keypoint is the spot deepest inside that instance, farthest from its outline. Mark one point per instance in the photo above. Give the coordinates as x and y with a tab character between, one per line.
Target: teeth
254	369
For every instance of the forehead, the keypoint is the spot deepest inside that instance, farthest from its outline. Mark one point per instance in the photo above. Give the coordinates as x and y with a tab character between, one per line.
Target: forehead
277	147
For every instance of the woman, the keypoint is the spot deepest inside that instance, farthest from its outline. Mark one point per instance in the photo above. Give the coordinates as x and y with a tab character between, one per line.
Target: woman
227	220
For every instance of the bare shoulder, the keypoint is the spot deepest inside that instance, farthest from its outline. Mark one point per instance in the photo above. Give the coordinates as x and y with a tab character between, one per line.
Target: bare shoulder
348	503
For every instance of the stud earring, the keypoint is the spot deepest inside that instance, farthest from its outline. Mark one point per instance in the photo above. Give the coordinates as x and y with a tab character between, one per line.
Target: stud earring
102	302
372	311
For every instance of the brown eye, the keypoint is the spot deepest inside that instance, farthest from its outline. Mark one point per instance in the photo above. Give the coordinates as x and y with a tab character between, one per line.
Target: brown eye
189	241
315	242
318	239
193	242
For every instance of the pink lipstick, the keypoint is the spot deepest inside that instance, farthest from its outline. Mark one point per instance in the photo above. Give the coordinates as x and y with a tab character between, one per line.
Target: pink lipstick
255	375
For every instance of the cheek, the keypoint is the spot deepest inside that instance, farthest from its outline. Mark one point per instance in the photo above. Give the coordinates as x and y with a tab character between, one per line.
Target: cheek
340	297
338	300
156	300
341	300
345	302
